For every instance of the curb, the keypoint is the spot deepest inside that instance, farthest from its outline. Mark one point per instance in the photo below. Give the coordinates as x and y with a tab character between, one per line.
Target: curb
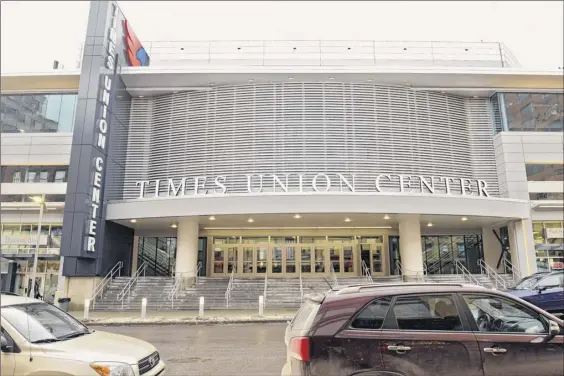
186	321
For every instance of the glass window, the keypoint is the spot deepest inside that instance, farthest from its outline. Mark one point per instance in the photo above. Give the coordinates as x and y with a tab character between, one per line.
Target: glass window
546	196
427	312
534	111
31	113
372	317
61	176
555	280
501	315
545	172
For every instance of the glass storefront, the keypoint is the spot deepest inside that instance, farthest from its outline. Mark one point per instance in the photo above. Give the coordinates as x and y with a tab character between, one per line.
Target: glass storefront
440	253
32	113
549	245
21	238
535	112
291	256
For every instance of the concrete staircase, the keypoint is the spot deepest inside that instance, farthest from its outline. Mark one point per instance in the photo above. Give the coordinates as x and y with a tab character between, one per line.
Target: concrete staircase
281	292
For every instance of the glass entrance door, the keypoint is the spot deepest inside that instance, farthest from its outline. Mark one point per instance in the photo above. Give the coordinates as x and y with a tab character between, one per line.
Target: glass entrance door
372	253
255	258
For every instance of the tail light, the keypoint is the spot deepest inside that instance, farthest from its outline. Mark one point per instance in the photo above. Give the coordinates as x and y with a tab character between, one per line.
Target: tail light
299	348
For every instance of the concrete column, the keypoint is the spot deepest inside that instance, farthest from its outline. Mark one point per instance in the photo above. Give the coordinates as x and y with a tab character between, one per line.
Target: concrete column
522	246
492	248
187	249
134	255
410	244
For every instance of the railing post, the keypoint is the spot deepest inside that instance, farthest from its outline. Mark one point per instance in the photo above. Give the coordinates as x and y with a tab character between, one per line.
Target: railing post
144	308
261	306
86	308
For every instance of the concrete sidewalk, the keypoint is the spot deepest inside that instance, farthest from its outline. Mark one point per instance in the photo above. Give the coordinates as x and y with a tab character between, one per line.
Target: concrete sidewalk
185	317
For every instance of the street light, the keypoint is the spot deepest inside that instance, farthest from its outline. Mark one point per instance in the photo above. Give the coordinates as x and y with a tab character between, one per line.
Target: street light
41	201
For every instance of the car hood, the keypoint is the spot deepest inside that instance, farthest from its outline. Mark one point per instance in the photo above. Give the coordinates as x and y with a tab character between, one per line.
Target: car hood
101	346
521	293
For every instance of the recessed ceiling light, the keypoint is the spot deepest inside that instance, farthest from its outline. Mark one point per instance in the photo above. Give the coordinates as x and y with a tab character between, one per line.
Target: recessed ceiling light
133	221
175	92
429	224
331	78
297	216
347	219
370	80
250	220
443	92
290	78
22	131
174	225
212	218
474	96
464	218
386	217
251	81
141	96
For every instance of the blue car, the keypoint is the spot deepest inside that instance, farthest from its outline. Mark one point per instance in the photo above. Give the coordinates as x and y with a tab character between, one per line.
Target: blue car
545	290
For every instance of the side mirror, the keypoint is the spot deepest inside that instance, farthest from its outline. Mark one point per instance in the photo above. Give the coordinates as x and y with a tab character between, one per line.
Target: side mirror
4	343
553	328
553	331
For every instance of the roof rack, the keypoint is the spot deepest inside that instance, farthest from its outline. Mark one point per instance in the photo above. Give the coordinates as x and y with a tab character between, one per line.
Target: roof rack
360	287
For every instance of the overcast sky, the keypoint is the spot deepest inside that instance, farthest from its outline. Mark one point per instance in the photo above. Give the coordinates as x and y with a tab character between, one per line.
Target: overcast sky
34	33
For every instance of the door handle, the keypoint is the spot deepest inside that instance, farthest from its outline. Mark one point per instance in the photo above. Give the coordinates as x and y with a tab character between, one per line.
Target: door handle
495	350
398	348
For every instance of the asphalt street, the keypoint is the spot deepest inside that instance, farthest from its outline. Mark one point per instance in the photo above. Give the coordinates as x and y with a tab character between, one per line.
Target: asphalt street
214	350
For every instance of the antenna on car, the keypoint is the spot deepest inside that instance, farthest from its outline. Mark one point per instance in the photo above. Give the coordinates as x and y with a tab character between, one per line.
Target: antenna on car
330	287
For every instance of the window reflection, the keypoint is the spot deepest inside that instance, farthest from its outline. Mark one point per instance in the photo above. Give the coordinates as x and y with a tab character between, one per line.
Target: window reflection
34	174
32	113
545	172
534	111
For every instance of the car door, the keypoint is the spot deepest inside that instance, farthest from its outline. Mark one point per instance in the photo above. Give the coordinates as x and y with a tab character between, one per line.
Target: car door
425	335
358	346
8	360
508	334
550	293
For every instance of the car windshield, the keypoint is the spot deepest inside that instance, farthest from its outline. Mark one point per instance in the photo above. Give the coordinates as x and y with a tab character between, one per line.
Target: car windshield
527	283
43	323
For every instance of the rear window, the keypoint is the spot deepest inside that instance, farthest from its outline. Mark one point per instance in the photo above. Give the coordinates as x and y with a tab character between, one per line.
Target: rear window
372	317
306	314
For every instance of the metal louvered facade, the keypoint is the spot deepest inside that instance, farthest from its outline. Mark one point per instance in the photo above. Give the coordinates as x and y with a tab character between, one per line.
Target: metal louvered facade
308	128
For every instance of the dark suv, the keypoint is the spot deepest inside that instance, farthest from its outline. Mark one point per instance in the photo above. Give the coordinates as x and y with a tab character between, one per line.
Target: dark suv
420	330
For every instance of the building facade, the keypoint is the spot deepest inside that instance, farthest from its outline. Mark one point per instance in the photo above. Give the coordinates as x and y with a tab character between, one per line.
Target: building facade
281	159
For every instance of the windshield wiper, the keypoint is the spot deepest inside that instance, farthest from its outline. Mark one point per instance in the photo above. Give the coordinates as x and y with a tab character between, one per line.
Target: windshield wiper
46	340
73	335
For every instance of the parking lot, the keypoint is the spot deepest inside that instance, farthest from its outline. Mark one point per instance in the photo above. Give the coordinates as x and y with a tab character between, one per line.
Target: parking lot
210	350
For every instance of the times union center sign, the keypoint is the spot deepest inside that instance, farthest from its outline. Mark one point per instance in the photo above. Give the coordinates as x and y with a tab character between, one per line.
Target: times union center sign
311	183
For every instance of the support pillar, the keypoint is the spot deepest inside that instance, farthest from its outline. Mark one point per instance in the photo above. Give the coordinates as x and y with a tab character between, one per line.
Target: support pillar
187	250
522	246
492	248
410	245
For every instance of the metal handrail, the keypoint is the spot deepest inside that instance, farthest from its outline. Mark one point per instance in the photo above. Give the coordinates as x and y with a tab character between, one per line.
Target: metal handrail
131	282
178	281
334	275
419	275
366	272
466	273
229	287
322	52
265	287
492	274
514	269
99	288
301	287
